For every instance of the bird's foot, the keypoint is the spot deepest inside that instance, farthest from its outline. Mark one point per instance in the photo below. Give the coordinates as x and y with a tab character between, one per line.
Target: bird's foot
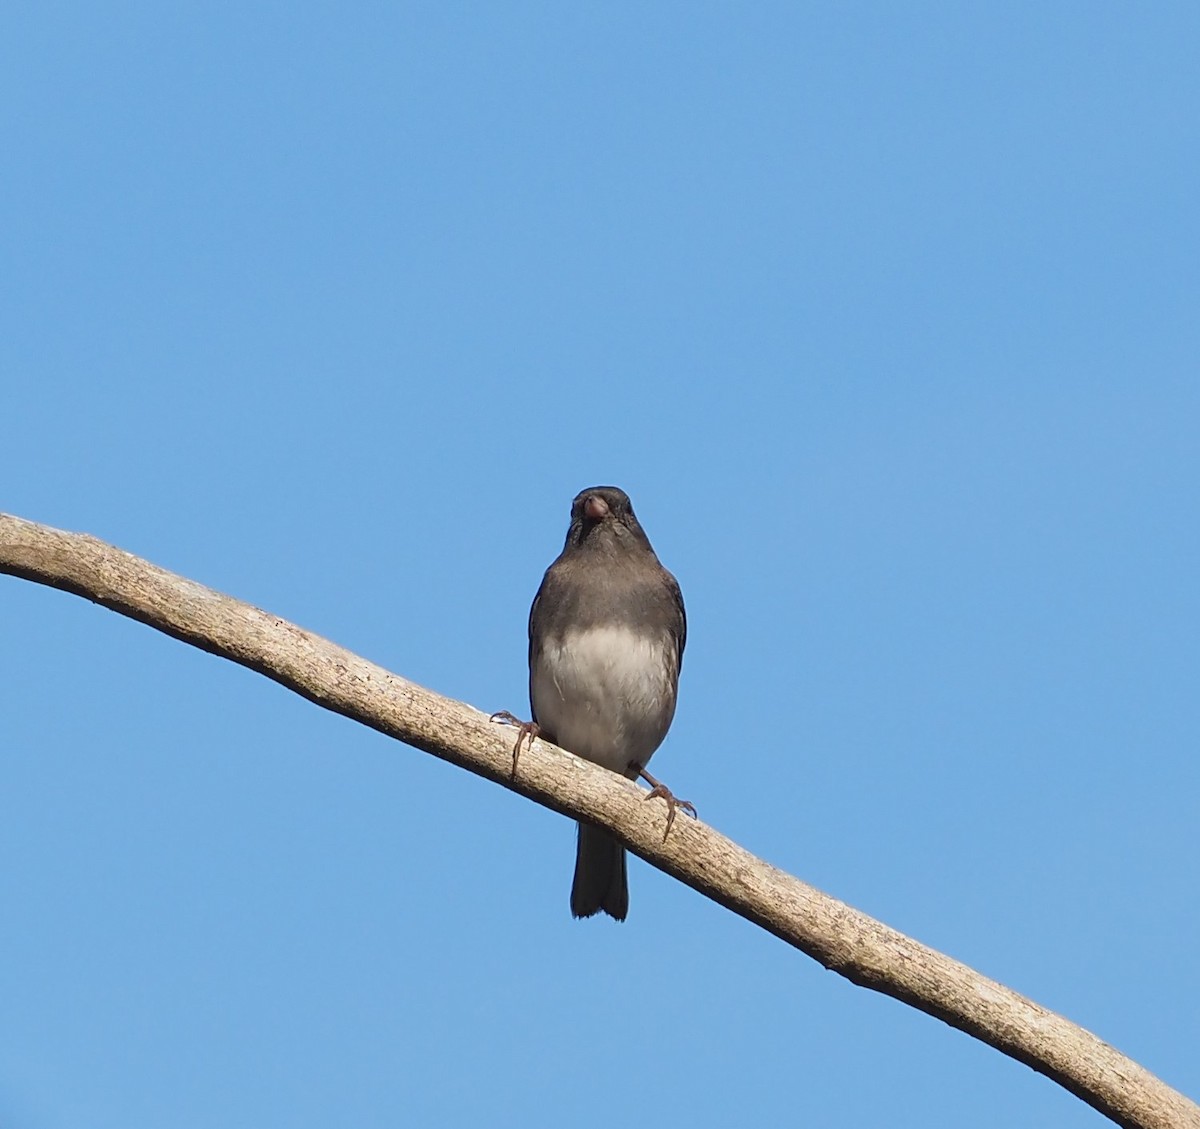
526	730
658	790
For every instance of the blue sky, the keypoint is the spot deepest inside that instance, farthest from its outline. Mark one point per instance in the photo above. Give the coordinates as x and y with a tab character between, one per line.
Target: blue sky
886	317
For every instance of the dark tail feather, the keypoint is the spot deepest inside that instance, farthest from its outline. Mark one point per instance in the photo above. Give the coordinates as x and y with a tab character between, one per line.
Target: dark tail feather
600	882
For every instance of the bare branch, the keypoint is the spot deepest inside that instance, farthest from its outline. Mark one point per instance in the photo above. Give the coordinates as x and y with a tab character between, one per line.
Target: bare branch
850	943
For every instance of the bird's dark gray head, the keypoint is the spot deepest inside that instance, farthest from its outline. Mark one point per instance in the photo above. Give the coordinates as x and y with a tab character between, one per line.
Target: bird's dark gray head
604	515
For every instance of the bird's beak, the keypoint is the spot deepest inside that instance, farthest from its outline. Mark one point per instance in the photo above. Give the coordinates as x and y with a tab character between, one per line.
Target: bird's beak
595	507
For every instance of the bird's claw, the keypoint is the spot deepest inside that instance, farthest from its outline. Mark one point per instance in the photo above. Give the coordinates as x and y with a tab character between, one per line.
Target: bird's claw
662	792
526	730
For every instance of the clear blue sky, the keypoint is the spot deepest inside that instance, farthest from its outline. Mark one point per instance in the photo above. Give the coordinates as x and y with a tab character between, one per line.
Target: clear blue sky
886	317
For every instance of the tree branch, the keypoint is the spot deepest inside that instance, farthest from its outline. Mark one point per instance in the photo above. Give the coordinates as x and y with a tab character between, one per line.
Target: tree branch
850	943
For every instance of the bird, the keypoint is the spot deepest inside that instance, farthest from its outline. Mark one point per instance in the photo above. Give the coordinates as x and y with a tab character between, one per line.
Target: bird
607	631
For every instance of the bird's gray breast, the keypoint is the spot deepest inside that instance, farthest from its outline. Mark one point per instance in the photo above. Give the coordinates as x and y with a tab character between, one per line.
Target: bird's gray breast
606	693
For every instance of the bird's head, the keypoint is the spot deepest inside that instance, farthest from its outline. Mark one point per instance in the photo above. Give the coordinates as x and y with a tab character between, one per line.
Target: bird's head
604	514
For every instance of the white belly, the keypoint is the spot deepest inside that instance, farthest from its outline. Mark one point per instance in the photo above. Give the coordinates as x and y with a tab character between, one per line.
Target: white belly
605	694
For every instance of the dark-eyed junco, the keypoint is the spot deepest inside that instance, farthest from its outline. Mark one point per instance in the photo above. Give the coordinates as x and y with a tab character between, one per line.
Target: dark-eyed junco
606	637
